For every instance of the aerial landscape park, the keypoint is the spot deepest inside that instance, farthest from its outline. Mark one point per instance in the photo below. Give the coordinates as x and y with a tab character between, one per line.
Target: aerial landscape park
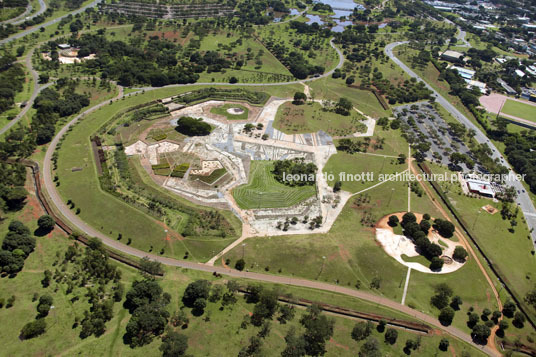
267	178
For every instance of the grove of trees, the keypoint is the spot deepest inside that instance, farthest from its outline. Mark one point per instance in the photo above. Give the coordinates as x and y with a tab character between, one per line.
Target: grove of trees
16	246
285	170
193	127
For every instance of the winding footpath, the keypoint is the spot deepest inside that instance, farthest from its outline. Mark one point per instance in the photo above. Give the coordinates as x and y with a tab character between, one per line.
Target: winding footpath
523	199
80	225
75	221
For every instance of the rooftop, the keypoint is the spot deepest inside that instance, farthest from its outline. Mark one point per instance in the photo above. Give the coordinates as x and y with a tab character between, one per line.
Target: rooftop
481	187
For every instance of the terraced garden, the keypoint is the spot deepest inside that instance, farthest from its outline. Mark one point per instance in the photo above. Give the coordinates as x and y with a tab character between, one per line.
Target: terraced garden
212	178
263	191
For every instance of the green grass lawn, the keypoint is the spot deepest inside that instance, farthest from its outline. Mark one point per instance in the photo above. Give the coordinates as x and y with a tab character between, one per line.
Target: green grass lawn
394	144
105	212
509	252
221	331
222	110
520	110
364	169
311	117
352	254
263	191
320	53
7	13
213	177
365	101
222	43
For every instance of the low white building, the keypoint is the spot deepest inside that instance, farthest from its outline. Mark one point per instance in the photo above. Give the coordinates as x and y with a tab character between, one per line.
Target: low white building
476	84
465	73
482	188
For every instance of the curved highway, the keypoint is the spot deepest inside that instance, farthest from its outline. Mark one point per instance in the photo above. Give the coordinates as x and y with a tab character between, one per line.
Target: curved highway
523	199
46	24
37	88
21	18
75	221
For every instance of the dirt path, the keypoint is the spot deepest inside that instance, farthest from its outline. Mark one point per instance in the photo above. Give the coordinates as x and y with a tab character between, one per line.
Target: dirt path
463	240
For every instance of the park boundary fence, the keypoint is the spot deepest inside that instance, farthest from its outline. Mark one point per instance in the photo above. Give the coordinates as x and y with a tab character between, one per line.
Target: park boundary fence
465	227
34	166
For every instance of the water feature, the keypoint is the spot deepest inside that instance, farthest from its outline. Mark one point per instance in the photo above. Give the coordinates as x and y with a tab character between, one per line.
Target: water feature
337	5
293	12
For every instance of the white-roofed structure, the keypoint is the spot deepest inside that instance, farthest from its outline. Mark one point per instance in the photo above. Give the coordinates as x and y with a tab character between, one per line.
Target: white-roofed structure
482	188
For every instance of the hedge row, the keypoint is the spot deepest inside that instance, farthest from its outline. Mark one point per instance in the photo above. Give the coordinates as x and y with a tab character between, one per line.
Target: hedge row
256	98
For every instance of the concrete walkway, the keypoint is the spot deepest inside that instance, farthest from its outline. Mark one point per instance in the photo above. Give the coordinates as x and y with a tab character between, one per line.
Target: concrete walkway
406	286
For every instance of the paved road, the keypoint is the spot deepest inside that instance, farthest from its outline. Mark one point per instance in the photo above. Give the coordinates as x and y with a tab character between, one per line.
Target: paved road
523	199
46	24
75	221
460	36
80	225
37	88
21	18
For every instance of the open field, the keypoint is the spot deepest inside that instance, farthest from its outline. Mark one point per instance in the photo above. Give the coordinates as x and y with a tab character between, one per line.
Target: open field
364	169
106	212
349	254
311	117
509	252
221	331
7	13
320	52
365	101
263	191
520	110
246	48
393	143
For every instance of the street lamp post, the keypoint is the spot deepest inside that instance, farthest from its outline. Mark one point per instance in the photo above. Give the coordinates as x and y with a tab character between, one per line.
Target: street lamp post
243	249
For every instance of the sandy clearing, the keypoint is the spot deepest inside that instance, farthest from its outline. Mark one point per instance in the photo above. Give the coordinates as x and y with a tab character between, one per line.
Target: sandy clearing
397	245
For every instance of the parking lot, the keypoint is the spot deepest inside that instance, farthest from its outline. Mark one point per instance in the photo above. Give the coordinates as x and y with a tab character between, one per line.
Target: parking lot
424	124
